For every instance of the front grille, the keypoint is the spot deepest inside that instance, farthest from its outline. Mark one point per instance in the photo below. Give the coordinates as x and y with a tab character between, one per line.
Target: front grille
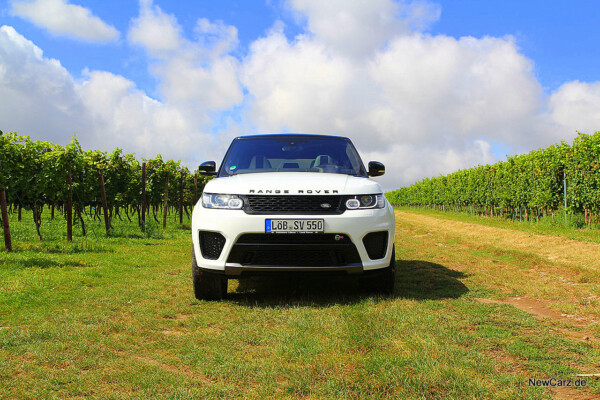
257	204
376	244
211	244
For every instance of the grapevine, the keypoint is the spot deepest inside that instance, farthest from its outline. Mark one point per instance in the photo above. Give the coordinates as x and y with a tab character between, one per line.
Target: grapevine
524	186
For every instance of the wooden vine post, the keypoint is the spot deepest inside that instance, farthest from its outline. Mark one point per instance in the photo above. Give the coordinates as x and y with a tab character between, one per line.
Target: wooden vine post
69	209
143	195
181	198
5	226
104	204
165	203
195	188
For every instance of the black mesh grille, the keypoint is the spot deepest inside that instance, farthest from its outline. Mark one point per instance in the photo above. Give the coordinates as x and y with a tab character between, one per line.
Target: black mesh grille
295	238
307	258
294	249
211	244
376	244
293	204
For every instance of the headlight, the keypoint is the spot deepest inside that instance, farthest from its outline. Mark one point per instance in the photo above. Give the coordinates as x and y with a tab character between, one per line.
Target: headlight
364	201
223	201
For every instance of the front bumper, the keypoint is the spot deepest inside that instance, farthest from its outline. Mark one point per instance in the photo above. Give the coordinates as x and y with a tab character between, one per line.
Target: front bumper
240	256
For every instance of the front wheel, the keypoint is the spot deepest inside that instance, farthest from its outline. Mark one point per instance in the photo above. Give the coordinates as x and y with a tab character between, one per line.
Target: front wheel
207	286
382	282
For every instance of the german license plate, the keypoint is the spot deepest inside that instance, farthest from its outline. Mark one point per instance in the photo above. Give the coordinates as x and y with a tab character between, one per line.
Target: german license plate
294	225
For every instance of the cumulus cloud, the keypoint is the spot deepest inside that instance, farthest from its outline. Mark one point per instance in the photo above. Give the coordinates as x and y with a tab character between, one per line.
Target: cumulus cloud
575	106
421	97
123	114
423	104
198	75
437	88
157	32
41	99
38	94
356	27
65	19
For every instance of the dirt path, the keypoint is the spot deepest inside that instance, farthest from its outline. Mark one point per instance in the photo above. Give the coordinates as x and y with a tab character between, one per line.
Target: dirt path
551	276
553	248
556	278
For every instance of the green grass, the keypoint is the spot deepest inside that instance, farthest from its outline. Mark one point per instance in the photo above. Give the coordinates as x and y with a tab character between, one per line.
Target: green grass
116	318
574	229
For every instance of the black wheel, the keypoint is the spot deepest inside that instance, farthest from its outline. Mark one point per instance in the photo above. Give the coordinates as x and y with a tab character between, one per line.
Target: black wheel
381	282
206	285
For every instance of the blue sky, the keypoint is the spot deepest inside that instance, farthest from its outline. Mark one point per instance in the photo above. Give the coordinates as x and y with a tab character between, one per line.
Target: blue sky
561	37
401	78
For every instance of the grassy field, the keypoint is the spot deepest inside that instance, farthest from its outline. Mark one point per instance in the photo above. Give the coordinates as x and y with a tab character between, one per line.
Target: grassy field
575	228
478	311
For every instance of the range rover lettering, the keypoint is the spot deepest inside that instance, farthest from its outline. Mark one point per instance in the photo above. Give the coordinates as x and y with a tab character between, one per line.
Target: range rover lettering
292	203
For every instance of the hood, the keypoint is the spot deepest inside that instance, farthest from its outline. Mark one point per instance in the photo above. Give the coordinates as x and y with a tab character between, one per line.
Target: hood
293	183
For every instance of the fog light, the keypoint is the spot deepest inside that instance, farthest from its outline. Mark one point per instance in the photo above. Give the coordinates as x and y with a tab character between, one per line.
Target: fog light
352	204
235	203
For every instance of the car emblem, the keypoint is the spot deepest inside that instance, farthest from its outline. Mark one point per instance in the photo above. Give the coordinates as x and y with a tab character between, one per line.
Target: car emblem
325	205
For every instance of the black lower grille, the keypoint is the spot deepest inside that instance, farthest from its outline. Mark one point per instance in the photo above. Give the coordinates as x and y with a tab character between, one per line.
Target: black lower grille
317	204
294	250
294	238
297	258
376	244
211	244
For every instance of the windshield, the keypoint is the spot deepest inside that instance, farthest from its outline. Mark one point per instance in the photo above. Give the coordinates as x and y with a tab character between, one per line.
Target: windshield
292	154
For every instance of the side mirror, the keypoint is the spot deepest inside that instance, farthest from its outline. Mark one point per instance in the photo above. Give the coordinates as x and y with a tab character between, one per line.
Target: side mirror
376	168
208	168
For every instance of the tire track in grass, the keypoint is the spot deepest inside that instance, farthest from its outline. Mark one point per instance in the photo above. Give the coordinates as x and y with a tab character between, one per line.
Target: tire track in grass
561	273
553	248
524	262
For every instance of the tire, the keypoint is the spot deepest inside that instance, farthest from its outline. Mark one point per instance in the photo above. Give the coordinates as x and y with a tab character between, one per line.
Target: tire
207	286
383	281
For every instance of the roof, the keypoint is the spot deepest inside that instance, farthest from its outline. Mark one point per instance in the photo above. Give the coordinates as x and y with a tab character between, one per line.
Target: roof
290	135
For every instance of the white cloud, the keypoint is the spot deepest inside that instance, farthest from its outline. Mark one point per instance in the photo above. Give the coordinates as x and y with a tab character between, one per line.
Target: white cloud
437	88
420	103
38	94
41	99
575	106
157	32
199	75
62	18
357	27
125	115
299	86
422	97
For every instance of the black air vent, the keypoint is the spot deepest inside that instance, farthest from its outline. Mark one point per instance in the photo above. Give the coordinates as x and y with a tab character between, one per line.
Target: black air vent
211	244
376	244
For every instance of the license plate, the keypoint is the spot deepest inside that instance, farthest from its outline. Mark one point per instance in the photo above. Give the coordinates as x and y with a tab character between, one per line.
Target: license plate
294	225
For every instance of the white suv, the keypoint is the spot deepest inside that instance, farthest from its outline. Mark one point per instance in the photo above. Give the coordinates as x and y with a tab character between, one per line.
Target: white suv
283	204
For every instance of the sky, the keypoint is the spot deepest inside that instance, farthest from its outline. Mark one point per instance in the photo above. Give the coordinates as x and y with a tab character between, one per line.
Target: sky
426	87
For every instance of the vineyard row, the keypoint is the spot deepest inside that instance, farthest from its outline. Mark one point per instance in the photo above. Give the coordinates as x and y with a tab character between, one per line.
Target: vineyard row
539	182
36	175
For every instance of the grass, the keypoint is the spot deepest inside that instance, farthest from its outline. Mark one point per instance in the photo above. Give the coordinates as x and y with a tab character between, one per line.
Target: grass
116	318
